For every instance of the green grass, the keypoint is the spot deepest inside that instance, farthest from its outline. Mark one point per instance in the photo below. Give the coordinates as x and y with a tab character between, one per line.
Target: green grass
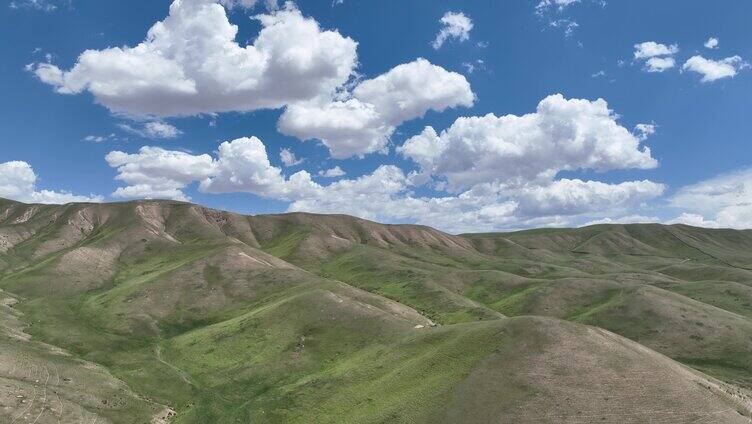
731	296
286	245
149	268
613	297
396	380
183	326
515	303
730	371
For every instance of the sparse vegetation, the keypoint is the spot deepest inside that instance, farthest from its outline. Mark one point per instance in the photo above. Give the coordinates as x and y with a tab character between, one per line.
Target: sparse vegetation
166	310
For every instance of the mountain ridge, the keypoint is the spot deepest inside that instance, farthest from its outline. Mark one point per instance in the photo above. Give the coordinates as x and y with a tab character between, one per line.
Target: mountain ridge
222	317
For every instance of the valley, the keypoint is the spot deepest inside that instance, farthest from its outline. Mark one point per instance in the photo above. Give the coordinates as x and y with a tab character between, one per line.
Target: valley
164	311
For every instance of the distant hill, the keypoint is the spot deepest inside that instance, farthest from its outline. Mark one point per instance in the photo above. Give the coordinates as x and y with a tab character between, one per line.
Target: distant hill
164	311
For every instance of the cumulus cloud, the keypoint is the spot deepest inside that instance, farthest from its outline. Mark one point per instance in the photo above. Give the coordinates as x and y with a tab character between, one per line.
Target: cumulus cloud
244	4
722	201
347	128
249	4
658	57
628	219
288	158
712	70
694	220
455	26
649	49
190	63
386	195
644	131
152	129
242	165
18	182
563	134
154	172
659	64
332	172
493	200
712	43
410	90
575	197
363	121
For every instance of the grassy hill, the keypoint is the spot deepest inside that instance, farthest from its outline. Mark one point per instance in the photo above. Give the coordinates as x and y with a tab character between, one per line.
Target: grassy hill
160	311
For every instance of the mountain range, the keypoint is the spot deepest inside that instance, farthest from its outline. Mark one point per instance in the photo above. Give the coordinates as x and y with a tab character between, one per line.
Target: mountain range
170	312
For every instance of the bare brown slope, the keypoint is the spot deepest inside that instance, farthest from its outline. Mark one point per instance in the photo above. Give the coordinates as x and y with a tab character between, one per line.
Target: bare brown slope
43	384
557	372
123	280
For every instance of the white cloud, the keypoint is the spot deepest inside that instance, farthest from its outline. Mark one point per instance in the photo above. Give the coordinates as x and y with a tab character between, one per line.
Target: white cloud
629	219
386	194
735	216
99	138
727	199
560	4
332	172
567	24
18	182
230	5
650	49
694	220
644	131
243	4
476	65
575	197
43	5
190	63
409	90
659	64
346	128
363	121
154	172
242	165
658	57
455	25
555	12
288	158
156	129
712	43
561	135
152	129
712	70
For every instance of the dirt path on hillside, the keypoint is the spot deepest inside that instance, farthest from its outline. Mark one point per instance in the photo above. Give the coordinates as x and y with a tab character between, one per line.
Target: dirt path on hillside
183	375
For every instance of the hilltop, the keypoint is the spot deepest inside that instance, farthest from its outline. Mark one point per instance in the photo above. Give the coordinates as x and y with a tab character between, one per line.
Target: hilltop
164	311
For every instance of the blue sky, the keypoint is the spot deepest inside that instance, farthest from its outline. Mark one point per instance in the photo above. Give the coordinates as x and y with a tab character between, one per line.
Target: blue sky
355	84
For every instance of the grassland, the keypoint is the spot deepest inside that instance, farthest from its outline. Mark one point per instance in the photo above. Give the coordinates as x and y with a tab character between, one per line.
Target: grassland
170	312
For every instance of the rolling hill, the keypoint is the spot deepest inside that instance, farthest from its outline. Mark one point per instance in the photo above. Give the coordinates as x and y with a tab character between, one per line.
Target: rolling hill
163	311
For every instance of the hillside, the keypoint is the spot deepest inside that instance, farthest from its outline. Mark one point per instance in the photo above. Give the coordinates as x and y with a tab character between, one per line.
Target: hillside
163	311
